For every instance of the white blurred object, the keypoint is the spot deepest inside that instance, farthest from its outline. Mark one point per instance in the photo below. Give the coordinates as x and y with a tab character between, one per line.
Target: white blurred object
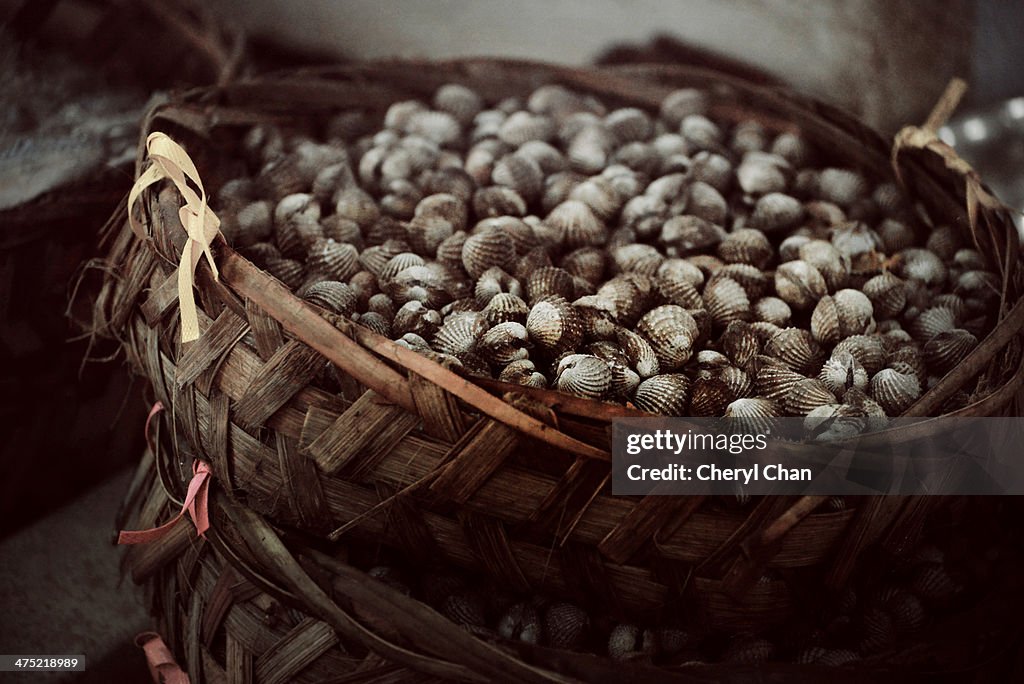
885	60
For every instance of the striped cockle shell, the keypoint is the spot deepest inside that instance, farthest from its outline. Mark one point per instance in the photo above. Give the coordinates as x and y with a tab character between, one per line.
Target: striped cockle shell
426	233
794	148
480	160
867	349
251	224
566	626
772	310
776	211
584	375
682	103
701	132
577	224
799	284
420	283
504	307
748	136
288	271
762	173
629	124
683	235
332	295
755	282
832	264
524	235
672	332
855	238
498	200
548	158
666	394
796	348
740	343
931	322
637	258
400	199
523	372
887	293
365	285
746	246
338	261
449	252
749	651
549	280
895	391
681	269
466	608
487	249
932	582
461	102
752	414
588	263
638	352
842	372
709	396
773	379
827	657
259	252
495	281
380	303
909	359
521	622
446	206
876	629
460	333
946	350
921	264
375	322
384	230
357	205
399	263
521	127
841	186
520	173
341	229
789	248
807	395
673	290
726	301
704	201
504	343
596	317
713	169
414	317
439	127
554	325
375	259
296	224
530	262
897	235
628	296
590	148
969	260
737	380
847	313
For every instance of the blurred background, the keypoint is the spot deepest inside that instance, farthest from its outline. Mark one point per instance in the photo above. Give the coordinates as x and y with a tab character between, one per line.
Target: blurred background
77	75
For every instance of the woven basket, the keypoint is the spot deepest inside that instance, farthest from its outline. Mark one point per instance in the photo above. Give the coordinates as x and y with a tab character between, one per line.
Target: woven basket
490	476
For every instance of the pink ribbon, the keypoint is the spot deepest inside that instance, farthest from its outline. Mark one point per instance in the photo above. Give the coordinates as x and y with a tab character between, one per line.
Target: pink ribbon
196	499
162	666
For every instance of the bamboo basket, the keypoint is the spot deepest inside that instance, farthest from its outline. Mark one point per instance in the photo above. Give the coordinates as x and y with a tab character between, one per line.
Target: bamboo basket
498	478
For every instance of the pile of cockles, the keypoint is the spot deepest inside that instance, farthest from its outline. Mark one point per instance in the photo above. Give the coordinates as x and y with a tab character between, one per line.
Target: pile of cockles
671	260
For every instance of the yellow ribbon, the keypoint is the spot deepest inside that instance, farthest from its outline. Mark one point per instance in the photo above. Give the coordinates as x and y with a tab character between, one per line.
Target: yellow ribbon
170	161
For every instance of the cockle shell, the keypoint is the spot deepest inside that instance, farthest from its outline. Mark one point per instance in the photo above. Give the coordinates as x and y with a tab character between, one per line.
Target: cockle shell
932	581
672	290
380	303
375	322
487	249
704	201
683	235
709	396
921	264
288	271
629	124
752	414
577	224
789	248
681	269
523	372
843	372
588	263
753	280
867	349
897	235
521	622
776	211
887	293
520	173
841	186
713	169
749	651
548	158
774	380
931	322
701	132
332	295
761	174
414	317
772	310
746	246
590	148
554	325
895	391
504	343
665	394
682	103
748	136
797	349
637	258
521	127
338	261
498	200
672	332
831	263
628	296
799	284
565	626
947	349
492	282
794	148
848	312
807	395
827	657
504	307
460	333
740	343
549	280
399	263
421	283
726	301
584	376
639	353
459	101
